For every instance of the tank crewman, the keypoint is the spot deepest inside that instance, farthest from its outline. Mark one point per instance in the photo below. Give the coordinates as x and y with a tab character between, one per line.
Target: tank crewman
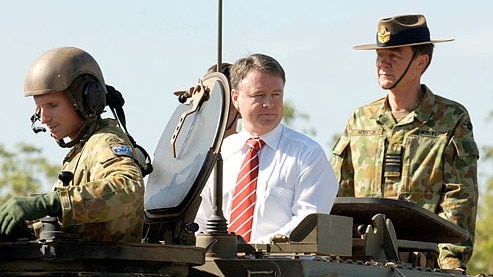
412	144
105	200
234	115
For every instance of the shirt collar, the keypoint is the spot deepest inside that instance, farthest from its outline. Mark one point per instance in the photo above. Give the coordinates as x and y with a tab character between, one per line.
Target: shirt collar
271	138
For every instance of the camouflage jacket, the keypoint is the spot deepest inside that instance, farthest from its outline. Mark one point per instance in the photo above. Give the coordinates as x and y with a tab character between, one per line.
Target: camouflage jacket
105	201
429	157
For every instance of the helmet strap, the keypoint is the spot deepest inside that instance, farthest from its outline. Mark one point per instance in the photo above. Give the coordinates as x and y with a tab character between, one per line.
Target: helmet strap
405	71
86	131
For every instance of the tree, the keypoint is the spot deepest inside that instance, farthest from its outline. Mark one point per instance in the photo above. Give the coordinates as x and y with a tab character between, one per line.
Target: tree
24	171
291	115
483	246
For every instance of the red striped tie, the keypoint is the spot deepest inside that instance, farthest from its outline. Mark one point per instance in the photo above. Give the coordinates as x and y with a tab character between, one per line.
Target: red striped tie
243	204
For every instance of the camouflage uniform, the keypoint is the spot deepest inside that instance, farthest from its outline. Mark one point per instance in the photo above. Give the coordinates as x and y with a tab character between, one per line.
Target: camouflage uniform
105	202
429	157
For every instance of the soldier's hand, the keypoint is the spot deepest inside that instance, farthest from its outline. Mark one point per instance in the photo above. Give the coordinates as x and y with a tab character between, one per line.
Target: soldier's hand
18	209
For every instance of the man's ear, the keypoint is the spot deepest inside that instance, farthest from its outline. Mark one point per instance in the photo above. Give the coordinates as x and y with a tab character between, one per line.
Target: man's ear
234	99
423	61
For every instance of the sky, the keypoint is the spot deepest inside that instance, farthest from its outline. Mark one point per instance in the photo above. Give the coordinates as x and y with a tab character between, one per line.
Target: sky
150	49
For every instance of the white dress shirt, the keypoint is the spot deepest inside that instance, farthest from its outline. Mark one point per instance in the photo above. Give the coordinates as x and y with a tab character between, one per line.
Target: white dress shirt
295	179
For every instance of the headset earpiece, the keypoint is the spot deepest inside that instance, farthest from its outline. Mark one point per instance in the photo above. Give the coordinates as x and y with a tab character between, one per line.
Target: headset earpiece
93	98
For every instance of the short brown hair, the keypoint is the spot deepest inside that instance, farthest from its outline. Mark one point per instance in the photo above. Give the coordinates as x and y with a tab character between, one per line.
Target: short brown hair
258	62
225	69
424	49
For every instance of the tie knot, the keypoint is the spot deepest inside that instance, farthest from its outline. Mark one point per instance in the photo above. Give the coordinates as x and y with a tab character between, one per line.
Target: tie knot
255	143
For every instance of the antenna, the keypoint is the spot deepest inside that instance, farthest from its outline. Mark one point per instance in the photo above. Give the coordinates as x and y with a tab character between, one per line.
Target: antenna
216	223
216	239
219	34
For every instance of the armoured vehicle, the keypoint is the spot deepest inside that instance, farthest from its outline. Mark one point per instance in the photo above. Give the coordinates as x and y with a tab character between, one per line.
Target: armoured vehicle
361	237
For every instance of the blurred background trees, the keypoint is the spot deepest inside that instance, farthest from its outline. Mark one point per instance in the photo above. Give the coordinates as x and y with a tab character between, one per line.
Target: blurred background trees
482	258
24	170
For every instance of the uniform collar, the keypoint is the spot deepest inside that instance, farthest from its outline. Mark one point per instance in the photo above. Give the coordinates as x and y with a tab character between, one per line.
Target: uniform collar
422	113
86	134
425	110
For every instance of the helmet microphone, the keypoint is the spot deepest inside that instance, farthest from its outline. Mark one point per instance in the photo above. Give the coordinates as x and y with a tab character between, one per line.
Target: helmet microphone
36	129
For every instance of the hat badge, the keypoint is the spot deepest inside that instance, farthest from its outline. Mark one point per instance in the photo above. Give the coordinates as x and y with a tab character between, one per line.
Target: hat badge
383	35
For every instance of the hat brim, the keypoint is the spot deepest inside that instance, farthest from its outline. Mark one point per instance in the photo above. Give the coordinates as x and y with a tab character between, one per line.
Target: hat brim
374	46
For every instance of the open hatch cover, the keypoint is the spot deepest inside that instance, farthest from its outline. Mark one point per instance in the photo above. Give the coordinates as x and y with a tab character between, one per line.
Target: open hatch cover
188	148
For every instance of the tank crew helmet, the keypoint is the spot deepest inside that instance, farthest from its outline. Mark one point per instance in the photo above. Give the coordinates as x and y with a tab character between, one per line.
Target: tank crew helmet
75	73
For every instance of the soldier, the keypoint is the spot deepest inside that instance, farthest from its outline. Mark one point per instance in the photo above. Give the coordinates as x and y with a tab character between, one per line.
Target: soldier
234	115
104	201
412	144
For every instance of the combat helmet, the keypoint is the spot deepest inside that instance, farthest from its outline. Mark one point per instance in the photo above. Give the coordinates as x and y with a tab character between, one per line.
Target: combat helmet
74	72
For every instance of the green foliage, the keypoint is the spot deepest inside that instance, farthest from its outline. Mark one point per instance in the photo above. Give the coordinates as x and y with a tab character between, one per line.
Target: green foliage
291	115
24	171
483	246
481	260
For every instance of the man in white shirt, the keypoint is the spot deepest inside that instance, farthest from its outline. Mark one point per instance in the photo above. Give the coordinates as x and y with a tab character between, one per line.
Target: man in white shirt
295	178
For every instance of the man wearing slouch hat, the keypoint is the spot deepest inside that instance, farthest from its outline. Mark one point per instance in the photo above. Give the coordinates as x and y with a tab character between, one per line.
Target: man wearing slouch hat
412	144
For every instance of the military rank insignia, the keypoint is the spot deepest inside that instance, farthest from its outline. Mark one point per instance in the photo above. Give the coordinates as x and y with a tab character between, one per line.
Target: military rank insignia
383	35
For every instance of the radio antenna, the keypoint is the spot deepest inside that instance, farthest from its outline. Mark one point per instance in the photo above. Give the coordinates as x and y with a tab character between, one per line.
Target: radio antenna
219	34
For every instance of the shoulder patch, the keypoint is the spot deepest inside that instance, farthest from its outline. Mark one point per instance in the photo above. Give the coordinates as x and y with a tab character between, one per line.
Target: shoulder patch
113	140
122	150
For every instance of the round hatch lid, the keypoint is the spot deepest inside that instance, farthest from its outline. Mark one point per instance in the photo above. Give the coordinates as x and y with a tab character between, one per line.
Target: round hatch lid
187	150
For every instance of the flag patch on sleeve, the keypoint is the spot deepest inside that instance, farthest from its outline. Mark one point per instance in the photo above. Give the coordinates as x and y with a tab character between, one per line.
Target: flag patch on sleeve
122	150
